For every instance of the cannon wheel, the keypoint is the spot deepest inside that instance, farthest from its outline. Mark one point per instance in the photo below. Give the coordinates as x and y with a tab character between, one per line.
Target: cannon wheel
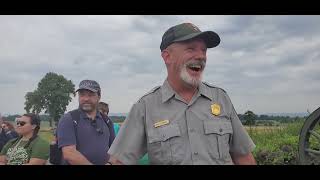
309	140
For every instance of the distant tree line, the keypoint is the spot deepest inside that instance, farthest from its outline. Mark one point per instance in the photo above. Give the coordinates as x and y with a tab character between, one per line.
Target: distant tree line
282	119
261	118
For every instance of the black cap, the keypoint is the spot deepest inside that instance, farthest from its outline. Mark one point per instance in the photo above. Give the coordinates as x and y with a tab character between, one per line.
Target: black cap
186	31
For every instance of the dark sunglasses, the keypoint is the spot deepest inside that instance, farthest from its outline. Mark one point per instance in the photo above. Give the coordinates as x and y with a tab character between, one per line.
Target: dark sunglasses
94	124
21	123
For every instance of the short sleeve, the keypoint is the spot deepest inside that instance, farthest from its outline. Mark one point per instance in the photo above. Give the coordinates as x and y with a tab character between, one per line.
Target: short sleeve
65	131
130	143
241	142
40	149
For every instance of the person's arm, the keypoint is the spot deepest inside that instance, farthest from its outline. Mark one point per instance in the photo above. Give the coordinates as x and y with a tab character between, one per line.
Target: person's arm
36	161
130	144
67	141
3	160
39	153
114	161
3	156
247	159
73	156
241	144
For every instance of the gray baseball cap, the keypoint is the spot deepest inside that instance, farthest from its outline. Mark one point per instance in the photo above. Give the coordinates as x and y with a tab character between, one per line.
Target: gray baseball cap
90	85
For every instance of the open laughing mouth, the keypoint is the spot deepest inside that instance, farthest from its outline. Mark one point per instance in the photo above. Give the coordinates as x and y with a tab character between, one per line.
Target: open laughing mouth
195	67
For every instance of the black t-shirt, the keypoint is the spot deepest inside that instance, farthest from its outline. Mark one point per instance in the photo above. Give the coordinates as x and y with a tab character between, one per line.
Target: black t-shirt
3	138
6	136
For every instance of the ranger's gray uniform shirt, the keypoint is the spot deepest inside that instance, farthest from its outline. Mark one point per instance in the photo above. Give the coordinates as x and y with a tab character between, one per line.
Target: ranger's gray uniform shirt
185	133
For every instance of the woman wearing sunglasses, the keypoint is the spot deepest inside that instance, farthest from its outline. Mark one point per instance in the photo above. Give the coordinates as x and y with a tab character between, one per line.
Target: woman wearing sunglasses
28	148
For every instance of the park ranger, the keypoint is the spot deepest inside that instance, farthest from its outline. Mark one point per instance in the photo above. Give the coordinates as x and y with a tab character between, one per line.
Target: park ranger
184	121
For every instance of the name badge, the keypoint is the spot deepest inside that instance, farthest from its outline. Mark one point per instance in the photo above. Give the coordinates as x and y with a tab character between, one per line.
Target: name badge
161	123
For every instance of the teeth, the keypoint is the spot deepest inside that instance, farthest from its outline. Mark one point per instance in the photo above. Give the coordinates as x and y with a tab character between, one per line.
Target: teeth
195	66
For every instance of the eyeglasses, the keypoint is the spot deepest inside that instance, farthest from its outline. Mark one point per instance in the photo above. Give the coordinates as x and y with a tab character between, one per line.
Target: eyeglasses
21	123
94	124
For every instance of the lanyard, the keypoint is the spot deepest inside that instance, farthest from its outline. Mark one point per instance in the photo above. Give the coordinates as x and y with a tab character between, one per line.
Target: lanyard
14	150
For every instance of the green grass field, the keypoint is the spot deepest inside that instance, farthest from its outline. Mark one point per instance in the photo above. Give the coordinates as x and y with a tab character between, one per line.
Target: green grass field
45	131
276	146
46	135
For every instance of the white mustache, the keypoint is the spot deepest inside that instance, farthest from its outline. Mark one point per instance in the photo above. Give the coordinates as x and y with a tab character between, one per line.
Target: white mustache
202	63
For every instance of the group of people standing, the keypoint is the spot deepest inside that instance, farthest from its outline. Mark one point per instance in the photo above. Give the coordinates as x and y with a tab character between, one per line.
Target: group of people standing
183	121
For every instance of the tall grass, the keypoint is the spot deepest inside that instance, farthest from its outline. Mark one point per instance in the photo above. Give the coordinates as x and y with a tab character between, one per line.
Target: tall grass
46	132
277	145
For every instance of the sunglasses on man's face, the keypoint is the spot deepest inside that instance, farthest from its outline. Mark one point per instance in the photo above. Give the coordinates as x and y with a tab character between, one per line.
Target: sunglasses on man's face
21	123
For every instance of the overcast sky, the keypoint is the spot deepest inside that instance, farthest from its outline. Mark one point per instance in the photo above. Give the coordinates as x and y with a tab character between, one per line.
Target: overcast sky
265	63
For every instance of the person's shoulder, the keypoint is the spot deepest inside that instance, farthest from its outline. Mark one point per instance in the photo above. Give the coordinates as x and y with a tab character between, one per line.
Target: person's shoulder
213	87
149	93
218	92
65	120
39	140
66	116
11	141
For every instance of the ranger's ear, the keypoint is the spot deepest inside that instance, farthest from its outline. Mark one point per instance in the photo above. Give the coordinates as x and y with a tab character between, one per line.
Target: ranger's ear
166	56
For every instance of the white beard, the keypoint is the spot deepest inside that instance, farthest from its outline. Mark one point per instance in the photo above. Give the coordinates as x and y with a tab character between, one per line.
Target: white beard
185	76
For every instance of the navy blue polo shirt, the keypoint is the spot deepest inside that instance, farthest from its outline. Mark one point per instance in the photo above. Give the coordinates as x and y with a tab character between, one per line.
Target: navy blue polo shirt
92	141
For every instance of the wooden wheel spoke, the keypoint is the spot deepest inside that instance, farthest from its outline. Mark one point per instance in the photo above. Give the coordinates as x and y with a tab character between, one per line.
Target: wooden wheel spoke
315	134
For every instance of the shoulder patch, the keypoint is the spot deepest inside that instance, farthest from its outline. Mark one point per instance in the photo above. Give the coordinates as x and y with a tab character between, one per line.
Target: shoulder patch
150	92
212	86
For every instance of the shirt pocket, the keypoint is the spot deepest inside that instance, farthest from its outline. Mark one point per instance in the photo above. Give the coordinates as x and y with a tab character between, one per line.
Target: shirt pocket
218	134
159	146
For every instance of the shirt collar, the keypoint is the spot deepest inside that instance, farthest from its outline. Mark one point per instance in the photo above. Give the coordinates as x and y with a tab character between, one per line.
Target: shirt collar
167	91
205	91
85	116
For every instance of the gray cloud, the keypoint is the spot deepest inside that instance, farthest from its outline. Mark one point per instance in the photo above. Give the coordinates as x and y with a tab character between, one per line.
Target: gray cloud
266	63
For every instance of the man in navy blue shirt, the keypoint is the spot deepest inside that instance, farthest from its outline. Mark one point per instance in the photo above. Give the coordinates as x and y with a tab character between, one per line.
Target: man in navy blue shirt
87	140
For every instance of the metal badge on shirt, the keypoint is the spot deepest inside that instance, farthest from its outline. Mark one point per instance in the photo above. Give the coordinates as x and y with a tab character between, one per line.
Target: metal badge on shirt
161	123
215	109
